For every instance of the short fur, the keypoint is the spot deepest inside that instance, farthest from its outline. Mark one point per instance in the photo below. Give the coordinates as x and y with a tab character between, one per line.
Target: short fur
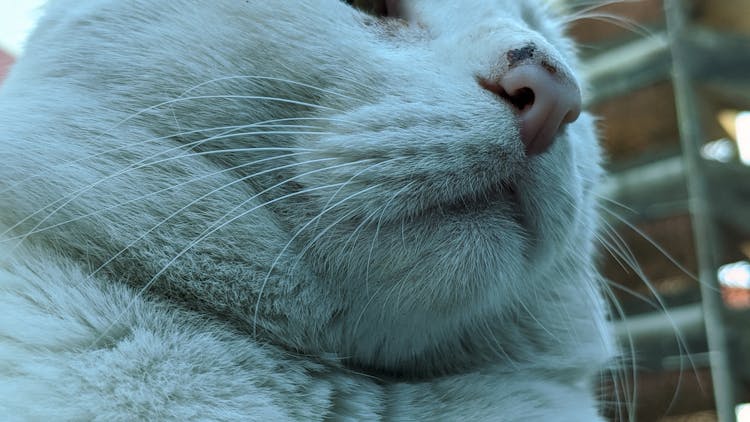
269	210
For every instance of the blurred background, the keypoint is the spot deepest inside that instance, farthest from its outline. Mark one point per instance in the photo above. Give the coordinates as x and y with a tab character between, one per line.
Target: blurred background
671	82
17	18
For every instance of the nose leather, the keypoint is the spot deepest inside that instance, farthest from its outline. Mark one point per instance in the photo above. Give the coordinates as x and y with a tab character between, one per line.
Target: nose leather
545	97
553	101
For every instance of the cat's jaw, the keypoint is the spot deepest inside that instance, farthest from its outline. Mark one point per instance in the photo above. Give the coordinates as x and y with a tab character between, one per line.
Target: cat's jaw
402	330
418	310
495	254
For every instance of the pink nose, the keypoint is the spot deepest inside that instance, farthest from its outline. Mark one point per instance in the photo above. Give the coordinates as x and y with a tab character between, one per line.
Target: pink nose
544	98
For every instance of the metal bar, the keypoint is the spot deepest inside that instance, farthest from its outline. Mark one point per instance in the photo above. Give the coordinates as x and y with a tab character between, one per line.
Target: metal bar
704	228
627	68
685	322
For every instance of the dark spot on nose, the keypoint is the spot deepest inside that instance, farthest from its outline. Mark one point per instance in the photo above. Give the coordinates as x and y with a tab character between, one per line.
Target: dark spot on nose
518	55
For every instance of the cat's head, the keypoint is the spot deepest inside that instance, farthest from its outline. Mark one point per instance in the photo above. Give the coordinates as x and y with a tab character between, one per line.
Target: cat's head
404	189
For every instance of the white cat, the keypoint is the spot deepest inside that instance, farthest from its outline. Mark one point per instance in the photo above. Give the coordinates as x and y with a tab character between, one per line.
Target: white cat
295	210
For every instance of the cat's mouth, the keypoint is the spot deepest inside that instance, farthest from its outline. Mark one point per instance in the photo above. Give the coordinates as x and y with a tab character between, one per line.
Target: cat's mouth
500	195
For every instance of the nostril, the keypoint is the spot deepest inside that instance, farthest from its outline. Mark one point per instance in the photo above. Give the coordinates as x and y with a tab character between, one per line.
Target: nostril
521	98
544	100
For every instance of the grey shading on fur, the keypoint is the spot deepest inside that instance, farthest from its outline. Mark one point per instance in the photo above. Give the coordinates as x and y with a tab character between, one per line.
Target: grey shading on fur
292	210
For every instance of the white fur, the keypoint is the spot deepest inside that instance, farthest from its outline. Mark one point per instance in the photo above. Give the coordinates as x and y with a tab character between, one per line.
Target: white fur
328	279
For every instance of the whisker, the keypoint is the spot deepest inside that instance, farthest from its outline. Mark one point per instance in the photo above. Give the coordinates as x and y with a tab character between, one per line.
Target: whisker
212	229
616	203
631	393
616	20
538	322
656	246
268	78
591	11
218	224
226	130
358	321
679	337
235	97
606	245
320	234
643	298
284	249
368	168
377	231
195	201
355	235
620	245
588	6
381	286
241	97
160	191
496	345
135	166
